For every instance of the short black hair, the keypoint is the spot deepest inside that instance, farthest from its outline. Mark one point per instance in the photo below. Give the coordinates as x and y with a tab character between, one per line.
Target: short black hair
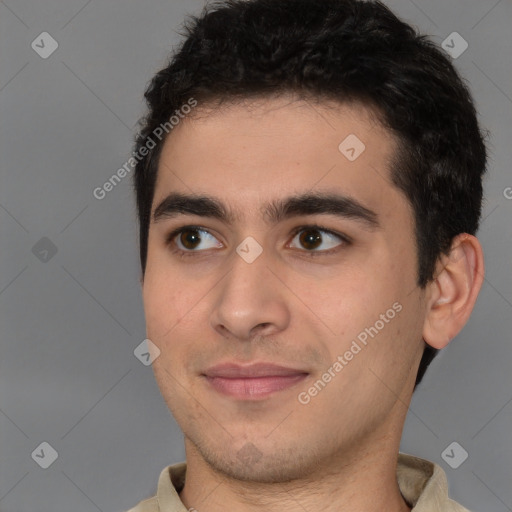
349	51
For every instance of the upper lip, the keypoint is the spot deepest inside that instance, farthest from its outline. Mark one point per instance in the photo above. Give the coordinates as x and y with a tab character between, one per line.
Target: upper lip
233	370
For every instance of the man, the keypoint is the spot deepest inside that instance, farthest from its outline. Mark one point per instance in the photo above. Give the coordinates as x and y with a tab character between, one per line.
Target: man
308	188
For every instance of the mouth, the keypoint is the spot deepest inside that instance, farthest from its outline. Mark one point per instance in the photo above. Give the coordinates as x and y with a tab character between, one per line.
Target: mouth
254	381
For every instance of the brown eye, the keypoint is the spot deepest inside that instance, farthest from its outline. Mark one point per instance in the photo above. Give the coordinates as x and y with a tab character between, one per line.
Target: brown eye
190	238
193	239
317	240
310	238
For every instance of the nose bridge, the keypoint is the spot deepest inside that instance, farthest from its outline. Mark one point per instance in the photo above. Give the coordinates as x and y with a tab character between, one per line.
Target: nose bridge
248	297
243	277
246	281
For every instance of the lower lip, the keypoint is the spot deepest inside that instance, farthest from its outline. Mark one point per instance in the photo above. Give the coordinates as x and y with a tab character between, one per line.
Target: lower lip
255	387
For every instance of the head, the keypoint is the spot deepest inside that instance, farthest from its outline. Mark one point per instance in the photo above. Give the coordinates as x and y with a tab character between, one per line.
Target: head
265	92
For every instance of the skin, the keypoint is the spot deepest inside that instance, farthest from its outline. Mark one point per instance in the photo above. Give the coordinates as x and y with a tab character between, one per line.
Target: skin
339	451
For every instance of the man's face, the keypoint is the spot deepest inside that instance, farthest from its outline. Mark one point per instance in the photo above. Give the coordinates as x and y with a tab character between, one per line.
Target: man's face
335	282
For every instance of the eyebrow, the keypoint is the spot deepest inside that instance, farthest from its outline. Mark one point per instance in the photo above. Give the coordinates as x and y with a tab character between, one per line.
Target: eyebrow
274	211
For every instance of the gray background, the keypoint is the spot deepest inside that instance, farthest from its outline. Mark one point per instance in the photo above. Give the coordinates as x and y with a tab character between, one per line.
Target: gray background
70	321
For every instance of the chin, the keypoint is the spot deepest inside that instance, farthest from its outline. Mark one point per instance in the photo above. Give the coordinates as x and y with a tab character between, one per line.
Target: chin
249	464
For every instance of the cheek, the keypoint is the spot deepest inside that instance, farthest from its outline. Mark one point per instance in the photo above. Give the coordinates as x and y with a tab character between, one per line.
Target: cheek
155	296
372	306
393	341
336	296
163	294
165	328
176	312
354	301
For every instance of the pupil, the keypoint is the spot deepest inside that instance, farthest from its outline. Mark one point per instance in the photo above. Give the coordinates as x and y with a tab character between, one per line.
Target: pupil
190	239
310	239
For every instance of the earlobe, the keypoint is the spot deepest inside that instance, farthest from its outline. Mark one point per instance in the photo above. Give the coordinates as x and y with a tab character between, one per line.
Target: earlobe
453	291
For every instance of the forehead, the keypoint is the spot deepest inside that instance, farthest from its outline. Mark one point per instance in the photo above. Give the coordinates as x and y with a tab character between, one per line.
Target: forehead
251	152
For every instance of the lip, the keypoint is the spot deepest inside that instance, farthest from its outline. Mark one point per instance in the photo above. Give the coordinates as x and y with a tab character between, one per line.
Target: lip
254	381
234	370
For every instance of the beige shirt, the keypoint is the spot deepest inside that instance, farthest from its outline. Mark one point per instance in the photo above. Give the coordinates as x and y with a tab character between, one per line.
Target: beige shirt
422	483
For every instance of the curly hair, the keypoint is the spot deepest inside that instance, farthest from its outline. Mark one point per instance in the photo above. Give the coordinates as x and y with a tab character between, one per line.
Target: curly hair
346	51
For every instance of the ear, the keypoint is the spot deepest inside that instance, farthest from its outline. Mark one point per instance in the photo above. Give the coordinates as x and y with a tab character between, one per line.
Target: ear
452	294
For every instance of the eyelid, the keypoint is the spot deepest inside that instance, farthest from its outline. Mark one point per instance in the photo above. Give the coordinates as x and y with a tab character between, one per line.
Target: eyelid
345	240
318	227
169	239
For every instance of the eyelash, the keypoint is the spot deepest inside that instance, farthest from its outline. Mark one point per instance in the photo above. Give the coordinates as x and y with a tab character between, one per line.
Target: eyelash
345	240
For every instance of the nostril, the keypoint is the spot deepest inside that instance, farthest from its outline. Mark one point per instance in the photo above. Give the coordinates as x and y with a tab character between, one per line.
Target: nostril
260	327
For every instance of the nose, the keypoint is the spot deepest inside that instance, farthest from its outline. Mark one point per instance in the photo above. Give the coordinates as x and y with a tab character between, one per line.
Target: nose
250	301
